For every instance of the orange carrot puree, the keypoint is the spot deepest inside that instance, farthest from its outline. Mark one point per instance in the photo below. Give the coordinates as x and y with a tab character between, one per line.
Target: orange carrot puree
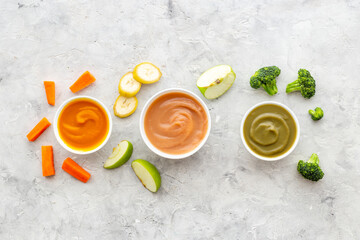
83	124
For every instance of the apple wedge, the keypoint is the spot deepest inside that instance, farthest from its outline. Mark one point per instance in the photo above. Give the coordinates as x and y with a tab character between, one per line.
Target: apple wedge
120	155
215	81
147	173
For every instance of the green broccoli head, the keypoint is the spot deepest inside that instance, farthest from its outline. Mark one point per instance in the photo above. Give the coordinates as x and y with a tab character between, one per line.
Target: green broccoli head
316	114
266	77
311	169
305	84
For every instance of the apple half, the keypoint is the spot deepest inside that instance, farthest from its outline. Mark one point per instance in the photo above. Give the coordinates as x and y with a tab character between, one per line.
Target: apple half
215	81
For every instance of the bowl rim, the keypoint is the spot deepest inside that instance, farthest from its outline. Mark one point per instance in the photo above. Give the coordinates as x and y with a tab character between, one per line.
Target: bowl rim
285	154
142	128
56	130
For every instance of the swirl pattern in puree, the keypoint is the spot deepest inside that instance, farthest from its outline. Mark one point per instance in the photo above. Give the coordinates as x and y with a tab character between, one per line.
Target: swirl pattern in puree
175	123
83	124
270	130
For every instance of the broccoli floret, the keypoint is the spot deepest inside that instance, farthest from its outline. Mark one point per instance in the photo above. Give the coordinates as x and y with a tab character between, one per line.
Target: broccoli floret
316	114
266	77
311	169
305	84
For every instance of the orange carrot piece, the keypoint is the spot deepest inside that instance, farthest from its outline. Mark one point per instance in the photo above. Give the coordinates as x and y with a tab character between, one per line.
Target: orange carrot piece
83	81
50	92
38	129
47	161
72	168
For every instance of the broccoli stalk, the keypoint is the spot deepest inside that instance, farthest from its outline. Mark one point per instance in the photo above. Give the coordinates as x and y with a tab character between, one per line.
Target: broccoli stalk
266	77
294	86
271	88
305	84
311	169
316	114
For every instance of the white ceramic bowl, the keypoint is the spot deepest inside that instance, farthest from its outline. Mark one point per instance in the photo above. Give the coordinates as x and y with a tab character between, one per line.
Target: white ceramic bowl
285	154
56	130
147	141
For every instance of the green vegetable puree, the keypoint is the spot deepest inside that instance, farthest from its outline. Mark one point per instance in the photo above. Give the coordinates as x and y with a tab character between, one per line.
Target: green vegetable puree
270	130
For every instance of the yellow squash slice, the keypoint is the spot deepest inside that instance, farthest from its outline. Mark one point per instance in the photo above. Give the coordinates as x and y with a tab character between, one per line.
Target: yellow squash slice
146	73
128	86
124	106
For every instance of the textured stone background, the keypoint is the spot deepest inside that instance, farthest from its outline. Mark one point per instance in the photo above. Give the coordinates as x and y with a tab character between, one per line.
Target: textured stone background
219	193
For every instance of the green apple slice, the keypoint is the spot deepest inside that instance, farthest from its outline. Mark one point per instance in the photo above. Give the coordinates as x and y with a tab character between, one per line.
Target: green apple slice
147	173
215	81
120	155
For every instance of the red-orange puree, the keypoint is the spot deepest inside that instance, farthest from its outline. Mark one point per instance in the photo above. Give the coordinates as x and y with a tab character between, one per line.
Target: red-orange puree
175	123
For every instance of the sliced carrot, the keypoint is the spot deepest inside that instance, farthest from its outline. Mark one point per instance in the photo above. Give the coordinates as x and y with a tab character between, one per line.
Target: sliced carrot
47	161
50	92
72	168
83	81
38	129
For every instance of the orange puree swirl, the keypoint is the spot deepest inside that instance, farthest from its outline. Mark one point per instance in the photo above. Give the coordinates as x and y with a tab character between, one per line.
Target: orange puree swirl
83	124
175	123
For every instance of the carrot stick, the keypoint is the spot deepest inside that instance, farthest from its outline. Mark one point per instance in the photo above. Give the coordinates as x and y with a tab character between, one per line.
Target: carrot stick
47	161
83	81
75	170
38	129
50	92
